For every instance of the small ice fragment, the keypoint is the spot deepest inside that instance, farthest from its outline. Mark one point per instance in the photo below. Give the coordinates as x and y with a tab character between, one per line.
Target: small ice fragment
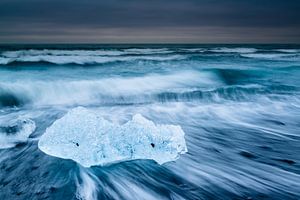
87	138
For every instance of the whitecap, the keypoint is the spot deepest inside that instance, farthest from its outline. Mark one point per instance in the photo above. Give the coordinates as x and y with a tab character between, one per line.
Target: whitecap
273	56
98	52
5	61
289	50
50	52
86	92
82	57
233	50
148	51
86	59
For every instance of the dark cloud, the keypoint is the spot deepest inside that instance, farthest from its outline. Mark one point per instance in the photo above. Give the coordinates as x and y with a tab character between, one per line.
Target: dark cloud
149	20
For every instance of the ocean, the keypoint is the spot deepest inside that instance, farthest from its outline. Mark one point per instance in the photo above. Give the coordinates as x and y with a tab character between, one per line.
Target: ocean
238	105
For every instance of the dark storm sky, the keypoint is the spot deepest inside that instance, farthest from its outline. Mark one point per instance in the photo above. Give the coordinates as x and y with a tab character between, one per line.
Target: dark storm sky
150	21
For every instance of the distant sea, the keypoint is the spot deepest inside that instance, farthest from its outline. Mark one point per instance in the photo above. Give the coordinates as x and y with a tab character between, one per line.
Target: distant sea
239	106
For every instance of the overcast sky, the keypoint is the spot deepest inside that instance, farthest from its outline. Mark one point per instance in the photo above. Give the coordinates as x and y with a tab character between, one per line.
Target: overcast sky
149	21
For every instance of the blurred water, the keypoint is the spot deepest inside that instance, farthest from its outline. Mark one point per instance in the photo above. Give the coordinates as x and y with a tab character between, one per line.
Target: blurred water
238	105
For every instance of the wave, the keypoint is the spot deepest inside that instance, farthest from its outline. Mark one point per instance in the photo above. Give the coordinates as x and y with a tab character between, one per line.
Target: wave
233	50
83	60
231	93
16	131
82	57
101	56
8	99
48	52
121	52
101	52
148	51
289	50
273	56
193	50
124	93
5	61
105	90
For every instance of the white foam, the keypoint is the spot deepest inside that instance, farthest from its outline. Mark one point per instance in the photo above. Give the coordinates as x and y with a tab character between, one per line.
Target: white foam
148	51
84	92
82	60
272	56
233	50
82	57
85	137
45	52
194	50
86	189
101	52
5	61
289	50
15	131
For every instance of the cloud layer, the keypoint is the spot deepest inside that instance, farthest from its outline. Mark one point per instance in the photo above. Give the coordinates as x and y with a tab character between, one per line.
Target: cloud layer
149	21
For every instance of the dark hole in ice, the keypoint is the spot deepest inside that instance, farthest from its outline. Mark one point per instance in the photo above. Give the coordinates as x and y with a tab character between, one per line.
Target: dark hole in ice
153	145
77	144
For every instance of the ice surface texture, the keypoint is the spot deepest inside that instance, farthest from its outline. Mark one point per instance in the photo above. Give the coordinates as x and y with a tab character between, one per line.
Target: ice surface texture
85	137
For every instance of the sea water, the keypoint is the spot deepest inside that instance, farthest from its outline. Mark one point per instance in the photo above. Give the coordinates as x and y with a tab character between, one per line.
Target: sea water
238	107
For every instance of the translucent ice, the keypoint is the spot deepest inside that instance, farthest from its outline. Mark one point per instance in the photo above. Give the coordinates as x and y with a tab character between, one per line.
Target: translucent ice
87	138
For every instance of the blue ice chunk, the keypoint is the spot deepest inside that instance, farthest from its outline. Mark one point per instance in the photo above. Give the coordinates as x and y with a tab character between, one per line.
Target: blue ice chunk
85	137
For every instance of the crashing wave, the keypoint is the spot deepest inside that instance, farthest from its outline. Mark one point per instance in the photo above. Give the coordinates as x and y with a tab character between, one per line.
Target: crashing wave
15	132
8	99
85	137
105	90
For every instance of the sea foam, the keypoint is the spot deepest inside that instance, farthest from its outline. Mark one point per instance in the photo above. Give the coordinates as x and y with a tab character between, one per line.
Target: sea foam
273	56
17	130
83	57
85	137
233	50
106	90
